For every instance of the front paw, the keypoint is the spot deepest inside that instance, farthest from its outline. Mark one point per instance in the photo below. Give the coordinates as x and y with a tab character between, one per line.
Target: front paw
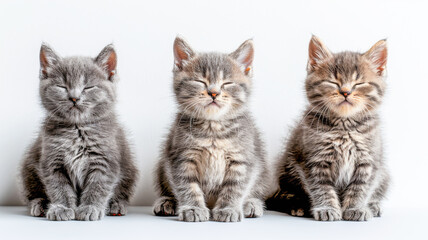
193	214
59	212
89	213
327	214
117	208
253	208
37	207
357	214
227	214
376	209
164	206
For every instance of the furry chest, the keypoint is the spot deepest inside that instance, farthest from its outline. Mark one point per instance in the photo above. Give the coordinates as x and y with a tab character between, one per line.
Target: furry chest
212	168
346	156
76	159
213	164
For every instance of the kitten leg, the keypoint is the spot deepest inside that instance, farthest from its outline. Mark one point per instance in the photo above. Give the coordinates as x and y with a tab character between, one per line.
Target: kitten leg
98	188
378	195
325	201
187	190
118	205
228	207
165	206
62	196
354	203
33	187
253	208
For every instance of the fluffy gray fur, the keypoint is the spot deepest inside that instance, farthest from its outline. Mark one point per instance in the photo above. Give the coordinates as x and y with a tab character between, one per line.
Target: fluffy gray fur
80	166
213	162
333	166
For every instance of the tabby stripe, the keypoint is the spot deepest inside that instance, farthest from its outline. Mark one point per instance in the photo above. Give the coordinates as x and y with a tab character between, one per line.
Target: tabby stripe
379	91
187	179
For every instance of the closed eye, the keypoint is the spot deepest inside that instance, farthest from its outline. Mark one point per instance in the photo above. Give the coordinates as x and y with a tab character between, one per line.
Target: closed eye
87	88
331	82
199	81
358	84
226	84
61	86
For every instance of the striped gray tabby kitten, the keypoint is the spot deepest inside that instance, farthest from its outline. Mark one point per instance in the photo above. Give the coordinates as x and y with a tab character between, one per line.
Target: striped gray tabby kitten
80	166
333	165
213	157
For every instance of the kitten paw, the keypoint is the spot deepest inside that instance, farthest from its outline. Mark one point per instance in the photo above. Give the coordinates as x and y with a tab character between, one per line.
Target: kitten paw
117	208
376	210
89	213
60	213
193	214
37	207
299	212
227	215
164	206
327	214
253	208
362	214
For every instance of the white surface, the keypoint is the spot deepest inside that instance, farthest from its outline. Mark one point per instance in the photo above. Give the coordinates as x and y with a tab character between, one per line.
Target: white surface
143	32
141	224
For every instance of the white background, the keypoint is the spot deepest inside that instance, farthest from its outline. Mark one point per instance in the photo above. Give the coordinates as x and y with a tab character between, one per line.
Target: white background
143	33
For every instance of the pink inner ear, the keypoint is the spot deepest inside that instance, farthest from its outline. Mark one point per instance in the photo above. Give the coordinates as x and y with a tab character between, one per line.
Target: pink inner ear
180	55
380	60
111	62
312	53
43	60
316	53
248	58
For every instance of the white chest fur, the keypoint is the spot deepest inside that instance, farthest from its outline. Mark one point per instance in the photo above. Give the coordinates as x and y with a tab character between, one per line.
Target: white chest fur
76	158
346	157
213	163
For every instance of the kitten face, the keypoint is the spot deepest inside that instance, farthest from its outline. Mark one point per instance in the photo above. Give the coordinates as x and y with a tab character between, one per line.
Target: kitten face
77	89
346	83
212	86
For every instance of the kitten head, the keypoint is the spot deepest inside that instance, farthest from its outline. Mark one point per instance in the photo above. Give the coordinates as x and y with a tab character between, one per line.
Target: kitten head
78	89
346	83
212	86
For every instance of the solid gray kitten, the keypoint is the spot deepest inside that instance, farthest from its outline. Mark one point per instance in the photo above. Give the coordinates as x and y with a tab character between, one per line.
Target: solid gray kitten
333	166
213	160
80	166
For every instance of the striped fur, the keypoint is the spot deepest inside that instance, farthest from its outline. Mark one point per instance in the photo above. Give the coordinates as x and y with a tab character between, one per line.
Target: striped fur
333	166
213	162
80	166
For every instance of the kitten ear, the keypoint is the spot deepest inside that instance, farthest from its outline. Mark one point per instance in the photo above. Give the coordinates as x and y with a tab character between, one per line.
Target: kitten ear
48	58
244	55
318	53
377	56
107	59
182	52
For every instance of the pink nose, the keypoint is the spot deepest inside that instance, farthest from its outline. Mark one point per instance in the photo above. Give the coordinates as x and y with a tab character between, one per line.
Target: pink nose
74	100
213	94
345	92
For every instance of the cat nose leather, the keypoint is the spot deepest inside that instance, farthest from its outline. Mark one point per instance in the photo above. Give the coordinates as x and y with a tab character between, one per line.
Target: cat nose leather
74	99
213	94
345	92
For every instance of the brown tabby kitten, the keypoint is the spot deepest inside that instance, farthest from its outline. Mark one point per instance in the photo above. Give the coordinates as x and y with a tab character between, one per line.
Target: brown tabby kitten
213	162
333	164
